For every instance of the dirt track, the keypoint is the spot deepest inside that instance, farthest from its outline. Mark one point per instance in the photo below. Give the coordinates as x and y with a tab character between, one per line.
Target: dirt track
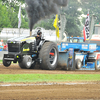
15	69
29	91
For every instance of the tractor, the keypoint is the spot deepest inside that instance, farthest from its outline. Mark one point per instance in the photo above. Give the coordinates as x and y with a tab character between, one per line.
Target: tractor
26	52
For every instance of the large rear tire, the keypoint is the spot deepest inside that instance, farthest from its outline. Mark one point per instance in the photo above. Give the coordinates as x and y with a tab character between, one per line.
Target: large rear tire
26	63
97	64
49	56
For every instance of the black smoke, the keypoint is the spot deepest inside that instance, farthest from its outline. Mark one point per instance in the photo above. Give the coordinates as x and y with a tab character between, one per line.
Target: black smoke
40	9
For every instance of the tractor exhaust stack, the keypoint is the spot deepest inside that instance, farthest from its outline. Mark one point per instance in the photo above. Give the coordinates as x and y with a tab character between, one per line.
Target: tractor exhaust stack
30	33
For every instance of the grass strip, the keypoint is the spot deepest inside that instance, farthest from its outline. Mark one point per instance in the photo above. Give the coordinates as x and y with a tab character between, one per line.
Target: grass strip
0	61
48	77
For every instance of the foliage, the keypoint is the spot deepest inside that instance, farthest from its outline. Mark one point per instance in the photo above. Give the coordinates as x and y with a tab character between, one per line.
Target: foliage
11	12
4	20
72	16
93	7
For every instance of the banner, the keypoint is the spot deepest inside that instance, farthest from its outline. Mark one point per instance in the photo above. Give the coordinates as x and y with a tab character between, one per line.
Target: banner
19	17
56	26
84	34
86	28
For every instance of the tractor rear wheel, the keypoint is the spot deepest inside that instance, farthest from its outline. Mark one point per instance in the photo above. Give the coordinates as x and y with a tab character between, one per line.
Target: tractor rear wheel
49	56
26	63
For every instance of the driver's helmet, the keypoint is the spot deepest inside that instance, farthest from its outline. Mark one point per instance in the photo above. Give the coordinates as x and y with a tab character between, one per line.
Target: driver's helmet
39	32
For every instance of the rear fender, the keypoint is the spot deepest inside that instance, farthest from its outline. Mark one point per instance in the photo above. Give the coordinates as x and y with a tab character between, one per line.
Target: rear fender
42	42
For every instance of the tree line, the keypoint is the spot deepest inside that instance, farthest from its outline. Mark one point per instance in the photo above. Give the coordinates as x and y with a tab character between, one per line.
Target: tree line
73	12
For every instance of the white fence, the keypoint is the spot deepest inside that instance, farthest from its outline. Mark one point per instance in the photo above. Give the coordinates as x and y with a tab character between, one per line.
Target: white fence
2	53
7	33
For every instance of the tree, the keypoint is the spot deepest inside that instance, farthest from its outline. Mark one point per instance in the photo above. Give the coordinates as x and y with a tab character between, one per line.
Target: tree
93	7
72	16
13	8
4	20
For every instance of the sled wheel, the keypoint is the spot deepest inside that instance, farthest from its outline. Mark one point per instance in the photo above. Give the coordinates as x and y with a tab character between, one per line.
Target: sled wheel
49	56
6	63
78	64
26	62
97	64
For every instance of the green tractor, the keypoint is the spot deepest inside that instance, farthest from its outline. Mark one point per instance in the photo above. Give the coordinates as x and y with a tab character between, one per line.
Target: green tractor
26	52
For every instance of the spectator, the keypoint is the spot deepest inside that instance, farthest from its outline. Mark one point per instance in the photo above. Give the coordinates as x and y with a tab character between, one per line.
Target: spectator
1	47
1	43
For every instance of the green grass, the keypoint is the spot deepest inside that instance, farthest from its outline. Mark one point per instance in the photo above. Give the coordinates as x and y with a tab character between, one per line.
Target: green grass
48	77
0	61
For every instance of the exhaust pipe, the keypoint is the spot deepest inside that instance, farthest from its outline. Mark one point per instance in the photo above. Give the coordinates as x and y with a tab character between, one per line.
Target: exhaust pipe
30	33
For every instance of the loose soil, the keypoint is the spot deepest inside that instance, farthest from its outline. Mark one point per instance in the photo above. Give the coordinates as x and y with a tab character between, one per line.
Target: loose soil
46	91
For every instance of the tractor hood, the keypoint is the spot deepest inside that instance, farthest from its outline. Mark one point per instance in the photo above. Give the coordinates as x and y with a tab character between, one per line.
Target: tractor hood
28	39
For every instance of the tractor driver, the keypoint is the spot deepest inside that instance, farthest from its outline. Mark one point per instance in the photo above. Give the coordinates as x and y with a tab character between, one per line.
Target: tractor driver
38	37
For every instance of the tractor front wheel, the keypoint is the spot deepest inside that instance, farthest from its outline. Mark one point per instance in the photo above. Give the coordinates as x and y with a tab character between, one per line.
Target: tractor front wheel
6	63
26	62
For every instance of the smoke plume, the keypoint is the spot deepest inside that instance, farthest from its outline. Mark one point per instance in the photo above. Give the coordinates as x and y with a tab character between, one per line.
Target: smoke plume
40	9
